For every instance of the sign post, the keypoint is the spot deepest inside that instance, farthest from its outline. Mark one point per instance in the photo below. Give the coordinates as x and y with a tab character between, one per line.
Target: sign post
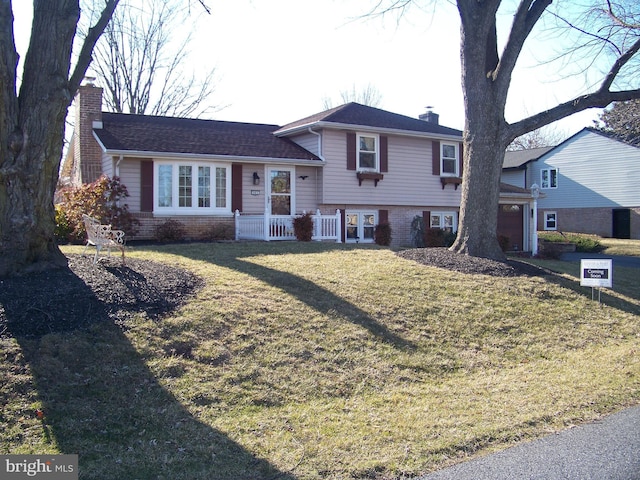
596	273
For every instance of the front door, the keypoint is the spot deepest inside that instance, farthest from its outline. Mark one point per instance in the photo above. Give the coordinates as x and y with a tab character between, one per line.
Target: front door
360	226
281	195
621	223
511	225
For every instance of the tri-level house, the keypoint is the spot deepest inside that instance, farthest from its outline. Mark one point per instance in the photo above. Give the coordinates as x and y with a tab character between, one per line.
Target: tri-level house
588	184
352	167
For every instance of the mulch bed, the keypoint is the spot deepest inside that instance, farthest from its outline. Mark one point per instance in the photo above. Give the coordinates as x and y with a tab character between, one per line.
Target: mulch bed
86	293
443	258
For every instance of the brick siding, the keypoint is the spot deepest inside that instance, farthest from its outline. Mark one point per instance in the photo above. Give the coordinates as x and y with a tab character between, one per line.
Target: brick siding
195	227
595	221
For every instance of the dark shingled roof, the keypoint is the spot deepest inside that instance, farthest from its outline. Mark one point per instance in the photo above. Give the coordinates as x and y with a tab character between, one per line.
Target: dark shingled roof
145	133
518	158
363	115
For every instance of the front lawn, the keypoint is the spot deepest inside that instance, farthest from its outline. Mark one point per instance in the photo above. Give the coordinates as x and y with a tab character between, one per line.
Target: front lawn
321	361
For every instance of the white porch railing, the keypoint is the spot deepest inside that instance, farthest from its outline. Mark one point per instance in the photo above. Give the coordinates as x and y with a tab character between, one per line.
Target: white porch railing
280	227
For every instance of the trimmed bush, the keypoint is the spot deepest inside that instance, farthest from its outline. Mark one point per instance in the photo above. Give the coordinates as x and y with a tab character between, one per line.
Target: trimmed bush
303	227
170	231
382	234
583	242
504	242
438	237
223	231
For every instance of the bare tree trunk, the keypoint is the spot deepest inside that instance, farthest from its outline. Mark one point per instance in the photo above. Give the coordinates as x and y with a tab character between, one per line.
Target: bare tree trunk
480	194
34	133
484	134
32	129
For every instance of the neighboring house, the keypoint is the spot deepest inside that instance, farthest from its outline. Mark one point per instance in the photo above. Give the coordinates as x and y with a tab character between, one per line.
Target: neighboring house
355	165
588	184
515	169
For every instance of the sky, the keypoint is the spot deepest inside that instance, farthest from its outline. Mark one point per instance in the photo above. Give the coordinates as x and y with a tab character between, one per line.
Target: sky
277	60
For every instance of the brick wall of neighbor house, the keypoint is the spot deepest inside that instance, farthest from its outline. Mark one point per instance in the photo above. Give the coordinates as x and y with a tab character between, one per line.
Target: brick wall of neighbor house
88	104
595	221
195	227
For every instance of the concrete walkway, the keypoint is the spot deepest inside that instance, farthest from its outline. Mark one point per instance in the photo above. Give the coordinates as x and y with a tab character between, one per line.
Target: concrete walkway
608	449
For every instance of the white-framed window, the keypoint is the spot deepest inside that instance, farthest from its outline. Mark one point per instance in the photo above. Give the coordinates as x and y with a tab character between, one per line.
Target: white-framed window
550	221
368	153
549	178
360	226
192	188
449	160
445	220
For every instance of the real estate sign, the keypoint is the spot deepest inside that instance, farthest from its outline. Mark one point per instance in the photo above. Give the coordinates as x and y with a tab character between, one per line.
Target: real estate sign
596	272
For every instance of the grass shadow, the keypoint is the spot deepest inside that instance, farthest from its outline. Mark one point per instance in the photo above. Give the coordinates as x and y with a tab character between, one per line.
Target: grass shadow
625	286
81	371
308	292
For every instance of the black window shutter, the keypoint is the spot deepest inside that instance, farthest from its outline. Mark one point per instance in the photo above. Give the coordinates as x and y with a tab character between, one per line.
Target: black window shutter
384	154
236	187
146	186
435	157
461	158
426	218
383	216
351	151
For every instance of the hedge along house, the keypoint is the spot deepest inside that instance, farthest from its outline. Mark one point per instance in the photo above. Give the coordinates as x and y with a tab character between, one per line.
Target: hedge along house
354	165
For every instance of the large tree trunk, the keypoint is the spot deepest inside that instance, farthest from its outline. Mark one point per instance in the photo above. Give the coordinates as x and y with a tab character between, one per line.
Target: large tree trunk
483	158
485	139
32	138
32	129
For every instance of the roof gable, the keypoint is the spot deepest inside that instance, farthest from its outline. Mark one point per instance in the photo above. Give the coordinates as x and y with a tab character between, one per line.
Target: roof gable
153	134
519	158
362	115
582	133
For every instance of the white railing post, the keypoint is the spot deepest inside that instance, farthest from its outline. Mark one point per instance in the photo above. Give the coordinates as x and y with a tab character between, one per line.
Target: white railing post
267	226
338	226
237	222
317	225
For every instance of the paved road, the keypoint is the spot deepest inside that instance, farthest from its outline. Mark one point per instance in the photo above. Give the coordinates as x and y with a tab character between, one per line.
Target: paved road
608	449
618	260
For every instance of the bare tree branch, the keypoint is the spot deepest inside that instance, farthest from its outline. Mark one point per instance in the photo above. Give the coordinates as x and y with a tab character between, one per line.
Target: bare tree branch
526	17
142	63
84	58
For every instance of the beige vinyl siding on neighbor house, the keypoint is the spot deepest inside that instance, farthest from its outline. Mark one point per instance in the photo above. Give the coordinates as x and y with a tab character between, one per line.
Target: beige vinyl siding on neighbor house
408	181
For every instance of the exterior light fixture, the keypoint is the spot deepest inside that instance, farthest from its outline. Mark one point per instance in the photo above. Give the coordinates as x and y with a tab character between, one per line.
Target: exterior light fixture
256	178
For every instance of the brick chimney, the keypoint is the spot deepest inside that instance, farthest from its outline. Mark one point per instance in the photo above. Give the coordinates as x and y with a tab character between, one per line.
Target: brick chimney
87	154
430	116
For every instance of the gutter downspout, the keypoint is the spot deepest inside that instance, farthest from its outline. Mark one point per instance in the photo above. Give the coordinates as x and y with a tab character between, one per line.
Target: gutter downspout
116	169
319	156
